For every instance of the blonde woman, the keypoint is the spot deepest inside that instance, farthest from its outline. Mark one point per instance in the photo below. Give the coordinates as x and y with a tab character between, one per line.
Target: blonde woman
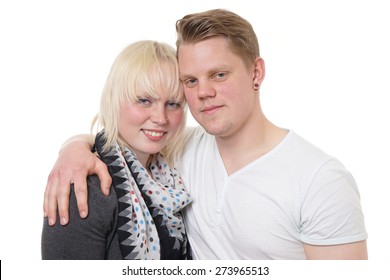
141	119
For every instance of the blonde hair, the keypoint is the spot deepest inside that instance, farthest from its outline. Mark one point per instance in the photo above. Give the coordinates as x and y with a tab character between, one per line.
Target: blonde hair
142	68
238	31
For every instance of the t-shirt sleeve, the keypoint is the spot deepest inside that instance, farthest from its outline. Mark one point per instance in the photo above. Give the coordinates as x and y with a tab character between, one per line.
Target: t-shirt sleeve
331	213
82	238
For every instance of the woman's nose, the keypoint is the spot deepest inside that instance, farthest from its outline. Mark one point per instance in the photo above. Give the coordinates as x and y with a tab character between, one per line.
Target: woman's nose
159	116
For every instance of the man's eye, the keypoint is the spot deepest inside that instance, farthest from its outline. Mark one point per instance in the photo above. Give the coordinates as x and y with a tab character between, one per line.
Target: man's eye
190	82
220	75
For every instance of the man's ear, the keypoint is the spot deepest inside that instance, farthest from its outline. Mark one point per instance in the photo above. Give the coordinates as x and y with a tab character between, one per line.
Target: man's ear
259	71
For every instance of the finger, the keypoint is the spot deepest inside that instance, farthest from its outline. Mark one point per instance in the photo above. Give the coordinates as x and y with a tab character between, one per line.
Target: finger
81	192
105	179
62	194
50	201
46	199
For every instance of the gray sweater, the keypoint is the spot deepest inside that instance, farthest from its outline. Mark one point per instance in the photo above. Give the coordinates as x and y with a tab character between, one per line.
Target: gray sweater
93	238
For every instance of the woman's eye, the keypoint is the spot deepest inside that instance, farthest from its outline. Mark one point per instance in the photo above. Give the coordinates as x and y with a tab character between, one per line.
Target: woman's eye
144	101
173	105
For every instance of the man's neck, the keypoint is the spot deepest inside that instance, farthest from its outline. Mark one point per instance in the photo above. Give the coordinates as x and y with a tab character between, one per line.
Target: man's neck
249	144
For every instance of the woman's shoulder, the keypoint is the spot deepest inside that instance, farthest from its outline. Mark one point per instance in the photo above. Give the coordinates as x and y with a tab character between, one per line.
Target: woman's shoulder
100	206
96	195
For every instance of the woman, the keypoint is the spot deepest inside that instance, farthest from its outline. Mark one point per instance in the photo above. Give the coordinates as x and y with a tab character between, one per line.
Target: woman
142	120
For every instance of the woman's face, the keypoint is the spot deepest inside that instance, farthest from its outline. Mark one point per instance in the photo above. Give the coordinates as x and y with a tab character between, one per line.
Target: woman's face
148	124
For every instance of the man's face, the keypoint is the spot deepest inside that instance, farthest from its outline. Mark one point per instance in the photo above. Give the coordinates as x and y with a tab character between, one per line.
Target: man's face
217	85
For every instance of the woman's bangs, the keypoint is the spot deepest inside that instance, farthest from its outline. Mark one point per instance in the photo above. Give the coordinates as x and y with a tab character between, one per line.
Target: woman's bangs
161	78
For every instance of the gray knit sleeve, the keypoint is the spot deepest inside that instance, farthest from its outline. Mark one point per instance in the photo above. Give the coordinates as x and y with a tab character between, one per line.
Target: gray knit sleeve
87	238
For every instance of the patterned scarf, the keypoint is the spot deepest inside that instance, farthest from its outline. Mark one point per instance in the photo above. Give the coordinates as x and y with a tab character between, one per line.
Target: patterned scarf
149	225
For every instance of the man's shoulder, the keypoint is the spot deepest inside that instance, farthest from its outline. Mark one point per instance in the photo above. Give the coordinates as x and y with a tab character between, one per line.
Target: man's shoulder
305	149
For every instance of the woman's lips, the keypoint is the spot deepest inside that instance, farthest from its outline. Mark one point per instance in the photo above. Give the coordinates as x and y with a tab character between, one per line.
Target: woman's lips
154	134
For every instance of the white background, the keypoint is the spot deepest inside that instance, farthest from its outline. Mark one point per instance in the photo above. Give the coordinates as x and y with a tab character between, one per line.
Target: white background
327	78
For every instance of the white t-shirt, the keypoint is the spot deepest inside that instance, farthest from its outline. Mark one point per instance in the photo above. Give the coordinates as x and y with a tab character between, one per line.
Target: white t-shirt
293	194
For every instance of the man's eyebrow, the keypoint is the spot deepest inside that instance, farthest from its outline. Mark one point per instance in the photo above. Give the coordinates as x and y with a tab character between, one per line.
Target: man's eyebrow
215	69
185	76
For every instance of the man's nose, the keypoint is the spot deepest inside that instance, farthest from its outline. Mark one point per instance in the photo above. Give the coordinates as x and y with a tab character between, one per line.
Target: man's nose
205	90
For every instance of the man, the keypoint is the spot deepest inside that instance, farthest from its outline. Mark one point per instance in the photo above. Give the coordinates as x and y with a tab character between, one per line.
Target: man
259	191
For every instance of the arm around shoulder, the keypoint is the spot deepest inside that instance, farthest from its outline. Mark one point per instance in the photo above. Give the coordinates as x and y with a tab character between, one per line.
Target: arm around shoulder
82	238
75	162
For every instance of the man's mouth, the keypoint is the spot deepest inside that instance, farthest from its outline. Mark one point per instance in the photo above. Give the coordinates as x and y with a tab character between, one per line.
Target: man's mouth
210	109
